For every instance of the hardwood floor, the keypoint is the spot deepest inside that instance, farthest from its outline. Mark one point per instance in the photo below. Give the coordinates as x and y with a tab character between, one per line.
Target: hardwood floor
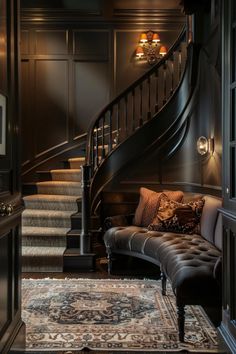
124	267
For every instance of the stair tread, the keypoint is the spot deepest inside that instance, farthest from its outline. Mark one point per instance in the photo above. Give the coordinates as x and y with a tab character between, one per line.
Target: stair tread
36	251
61	183
78	231
75	159
46	213
79	214
44	231
52	197
67	170
72	252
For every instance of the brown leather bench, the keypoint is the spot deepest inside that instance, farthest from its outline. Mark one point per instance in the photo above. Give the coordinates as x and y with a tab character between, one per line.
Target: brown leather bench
192	263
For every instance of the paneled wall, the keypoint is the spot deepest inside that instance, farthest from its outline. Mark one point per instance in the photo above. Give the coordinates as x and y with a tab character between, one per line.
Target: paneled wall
65	82
74	60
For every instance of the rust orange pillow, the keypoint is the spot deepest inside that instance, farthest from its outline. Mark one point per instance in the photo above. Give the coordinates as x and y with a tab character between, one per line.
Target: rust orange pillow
149	204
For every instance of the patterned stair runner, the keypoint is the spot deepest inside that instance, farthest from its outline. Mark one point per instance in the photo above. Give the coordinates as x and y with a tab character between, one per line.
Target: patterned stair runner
46	219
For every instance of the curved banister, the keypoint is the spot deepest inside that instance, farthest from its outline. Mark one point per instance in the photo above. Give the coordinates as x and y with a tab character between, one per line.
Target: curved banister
169	124
101	132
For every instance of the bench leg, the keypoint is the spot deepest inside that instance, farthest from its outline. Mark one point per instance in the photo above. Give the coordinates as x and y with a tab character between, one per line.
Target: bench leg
181	319
163	282
110	258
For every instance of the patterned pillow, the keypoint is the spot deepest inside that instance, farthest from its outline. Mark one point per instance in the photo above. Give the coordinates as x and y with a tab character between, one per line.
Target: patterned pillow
177	217
149	204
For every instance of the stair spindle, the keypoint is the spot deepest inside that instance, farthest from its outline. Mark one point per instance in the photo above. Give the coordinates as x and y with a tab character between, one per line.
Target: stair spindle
157	92
133	110
85	237
110	130
149	115
126	115
96	147
164	84
172	75
103	139
180	63
118	123
141	105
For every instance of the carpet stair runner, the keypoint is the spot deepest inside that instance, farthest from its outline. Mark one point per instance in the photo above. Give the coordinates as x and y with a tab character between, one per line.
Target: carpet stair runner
47	220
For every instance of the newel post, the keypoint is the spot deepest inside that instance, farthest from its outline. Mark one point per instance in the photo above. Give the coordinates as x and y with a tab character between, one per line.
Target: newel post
85	237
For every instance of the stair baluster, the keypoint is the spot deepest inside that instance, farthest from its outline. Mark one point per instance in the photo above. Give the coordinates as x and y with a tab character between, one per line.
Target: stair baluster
157	91
110	130
126	115
164	84
141	104
133	110
149	114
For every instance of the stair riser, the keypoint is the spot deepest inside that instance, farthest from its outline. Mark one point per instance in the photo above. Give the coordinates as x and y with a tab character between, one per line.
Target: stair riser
45	241
73	241
46	222
79	263
65	190
76	223
73	207
72	177
44	176
75	165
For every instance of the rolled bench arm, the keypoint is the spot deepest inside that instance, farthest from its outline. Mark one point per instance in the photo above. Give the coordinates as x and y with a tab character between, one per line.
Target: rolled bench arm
118	220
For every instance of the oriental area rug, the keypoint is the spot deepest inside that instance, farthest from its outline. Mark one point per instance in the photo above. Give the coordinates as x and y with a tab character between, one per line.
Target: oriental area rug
69	315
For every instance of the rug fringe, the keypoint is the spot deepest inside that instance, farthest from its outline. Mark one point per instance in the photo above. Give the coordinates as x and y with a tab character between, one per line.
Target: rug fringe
95	279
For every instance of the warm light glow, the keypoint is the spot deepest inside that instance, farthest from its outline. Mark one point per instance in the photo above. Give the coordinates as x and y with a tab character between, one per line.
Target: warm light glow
202	145
149	47
205	145
155	38
143	38
139	52
163	50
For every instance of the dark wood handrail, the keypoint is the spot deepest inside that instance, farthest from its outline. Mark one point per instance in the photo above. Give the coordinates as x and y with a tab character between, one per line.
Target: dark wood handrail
92	157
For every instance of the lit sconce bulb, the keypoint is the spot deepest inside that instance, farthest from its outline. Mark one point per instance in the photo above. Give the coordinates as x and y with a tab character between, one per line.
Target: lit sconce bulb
143	38
205	145
163	50
155	38
139	52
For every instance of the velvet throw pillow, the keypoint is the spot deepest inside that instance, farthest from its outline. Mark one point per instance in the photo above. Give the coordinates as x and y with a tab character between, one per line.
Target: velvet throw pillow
149	204
177	217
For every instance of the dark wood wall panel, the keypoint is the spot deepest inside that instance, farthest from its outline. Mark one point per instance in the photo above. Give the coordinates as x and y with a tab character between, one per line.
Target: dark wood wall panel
3	47
51	104
24	43
91	44
26	131
85	6
90	98
5	296
51	42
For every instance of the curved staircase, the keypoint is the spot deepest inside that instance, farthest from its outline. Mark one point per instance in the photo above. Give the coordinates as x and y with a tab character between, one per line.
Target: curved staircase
152	113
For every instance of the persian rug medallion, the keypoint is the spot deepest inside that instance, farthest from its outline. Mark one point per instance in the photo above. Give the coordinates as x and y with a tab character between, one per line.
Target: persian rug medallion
109	315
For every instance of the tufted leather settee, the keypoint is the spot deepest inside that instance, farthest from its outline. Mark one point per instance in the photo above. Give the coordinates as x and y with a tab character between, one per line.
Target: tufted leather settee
192	263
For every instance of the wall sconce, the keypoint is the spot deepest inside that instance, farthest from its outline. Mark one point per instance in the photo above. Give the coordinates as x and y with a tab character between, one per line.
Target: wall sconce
205	145
149	49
